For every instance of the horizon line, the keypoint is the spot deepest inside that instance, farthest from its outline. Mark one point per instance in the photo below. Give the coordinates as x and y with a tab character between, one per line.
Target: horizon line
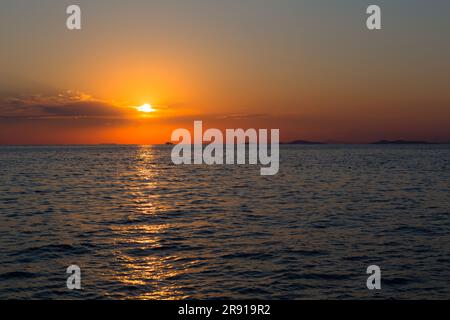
294	142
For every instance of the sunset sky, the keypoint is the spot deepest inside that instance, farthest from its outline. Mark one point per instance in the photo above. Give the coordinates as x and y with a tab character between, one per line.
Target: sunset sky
308	67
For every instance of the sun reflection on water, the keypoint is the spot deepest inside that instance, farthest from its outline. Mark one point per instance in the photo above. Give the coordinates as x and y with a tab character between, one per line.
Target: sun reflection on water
144	265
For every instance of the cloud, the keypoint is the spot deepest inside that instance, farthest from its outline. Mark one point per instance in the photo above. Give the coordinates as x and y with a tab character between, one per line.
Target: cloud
82	109
70	104
243	116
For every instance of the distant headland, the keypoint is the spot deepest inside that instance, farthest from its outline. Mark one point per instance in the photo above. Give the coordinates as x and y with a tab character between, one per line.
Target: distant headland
379	142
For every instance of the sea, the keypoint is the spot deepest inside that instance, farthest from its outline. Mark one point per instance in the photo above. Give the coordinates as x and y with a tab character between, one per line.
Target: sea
140	227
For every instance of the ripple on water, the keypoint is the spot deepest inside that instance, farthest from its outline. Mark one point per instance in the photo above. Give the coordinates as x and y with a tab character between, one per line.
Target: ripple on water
142	228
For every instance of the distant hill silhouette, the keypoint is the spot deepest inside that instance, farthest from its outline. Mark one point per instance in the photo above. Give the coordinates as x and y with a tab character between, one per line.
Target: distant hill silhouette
401	142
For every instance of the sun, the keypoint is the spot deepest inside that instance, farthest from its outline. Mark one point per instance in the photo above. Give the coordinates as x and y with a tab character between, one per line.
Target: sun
146	108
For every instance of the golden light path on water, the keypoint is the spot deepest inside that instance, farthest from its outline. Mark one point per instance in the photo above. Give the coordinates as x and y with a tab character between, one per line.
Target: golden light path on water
147	269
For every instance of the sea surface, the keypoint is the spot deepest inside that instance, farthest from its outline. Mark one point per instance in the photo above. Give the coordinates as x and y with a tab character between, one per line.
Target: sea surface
140	227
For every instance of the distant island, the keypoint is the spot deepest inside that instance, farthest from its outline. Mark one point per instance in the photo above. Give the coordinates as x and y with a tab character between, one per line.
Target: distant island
401	142
379	142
